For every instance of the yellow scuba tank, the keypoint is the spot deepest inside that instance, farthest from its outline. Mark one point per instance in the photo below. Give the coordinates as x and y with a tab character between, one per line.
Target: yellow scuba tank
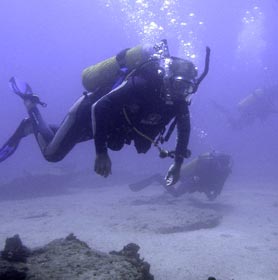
106	73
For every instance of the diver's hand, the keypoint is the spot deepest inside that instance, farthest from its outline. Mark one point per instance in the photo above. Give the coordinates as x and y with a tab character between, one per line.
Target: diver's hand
173	174
103	165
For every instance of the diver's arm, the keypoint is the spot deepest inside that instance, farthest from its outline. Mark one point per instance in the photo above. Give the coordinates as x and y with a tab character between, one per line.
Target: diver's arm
183	133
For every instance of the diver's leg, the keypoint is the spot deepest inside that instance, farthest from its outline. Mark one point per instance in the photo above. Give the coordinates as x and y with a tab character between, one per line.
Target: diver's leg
55	145
41	129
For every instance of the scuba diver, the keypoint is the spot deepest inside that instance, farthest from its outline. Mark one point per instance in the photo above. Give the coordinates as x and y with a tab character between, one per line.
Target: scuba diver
206	174
130	97
260	104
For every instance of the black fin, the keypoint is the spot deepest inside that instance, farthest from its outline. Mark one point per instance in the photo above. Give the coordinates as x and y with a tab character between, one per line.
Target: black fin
24	129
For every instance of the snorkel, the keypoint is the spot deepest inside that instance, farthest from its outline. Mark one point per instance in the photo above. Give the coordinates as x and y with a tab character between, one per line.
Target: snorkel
203	75
206	69
194	83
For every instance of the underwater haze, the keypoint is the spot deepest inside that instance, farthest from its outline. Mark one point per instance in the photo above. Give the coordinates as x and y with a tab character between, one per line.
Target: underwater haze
48	43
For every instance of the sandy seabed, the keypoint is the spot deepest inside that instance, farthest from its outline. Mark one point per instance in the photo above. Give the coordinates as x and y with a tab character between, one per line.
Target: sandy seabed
243	246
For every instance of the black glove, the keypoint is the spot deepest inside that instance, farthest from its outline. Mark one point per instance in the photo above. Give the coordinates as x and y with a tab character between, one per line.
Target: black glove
173	174
103	164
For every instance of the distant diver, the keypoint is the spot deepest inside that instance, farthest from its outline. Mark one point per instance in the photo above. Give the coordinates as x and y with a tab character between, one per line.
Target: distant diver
130	97
206	174
259	105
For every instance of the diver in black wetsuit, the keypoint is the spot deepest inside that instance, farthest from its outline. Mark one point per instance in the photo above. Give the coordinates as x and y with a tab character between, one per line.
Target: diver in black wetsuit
137	110
206	174
259	105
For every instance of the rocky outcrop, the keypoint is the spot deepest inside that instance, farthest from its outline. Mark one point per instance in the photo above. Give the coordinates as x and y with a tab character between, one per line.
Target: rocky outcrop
70	258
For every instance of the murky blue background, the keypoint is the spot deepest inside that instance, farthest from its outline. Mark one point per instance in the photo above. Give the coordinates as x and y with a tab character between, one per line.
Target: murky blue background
48	43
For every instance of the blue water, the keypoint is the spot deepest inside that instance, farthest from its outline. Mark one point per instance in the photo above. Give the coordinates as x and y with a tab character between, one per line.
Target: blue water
48	43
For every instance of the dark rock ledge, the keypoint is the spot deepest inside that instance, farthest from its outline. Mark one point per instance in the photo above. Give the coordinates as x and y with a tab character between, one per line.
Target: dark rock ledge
70	258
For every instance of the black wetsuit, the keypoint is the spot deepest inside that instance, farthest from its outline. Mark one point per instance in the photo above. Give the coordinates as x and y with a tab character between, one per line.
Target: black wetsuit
102	117
206	173
137	103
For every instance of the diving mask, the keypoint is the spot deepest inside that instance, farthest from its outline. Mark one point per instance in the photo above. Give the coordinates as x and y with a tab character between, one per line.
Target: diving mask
178	79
